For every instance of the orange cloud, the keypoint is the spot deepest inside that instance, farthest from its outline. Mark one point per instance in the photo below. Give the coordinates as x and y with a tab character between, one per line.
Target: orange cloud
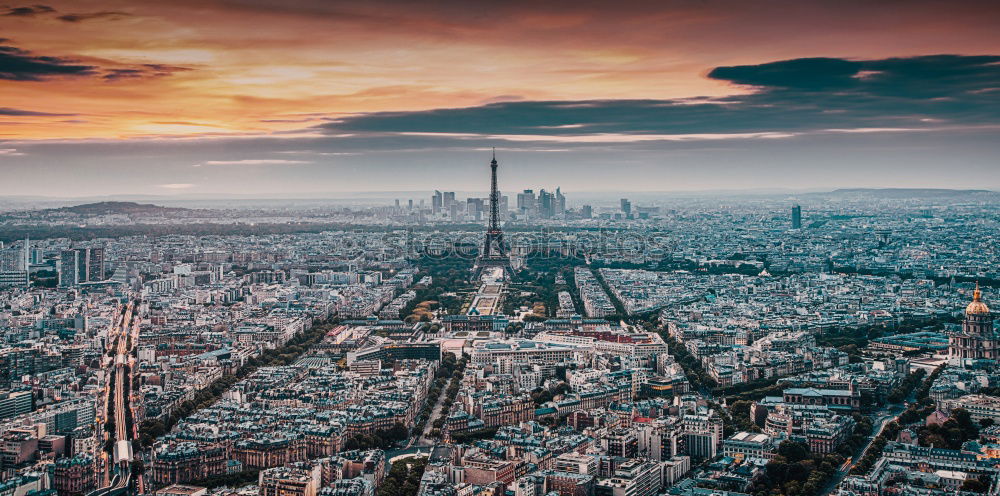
242	68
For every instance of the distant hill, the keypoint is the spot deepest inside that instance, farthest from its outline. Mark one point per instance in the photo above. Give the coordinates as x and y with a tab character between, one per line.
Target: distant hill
120	208
909	192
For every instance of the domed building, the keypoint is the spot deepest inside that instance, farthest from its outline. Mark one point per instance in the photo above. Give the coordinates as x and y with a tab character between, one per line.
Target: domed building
978	339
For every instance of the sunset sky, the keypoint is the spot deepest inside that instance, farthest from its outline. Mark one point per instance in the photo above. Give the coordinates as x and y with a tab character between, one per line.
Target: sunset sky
307	97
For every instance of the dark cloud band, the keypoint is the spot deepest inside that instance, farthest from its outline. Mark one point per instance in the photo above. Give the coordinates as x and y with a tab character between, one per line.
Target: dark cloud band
89	16
793	95
7	111
28	11
19	65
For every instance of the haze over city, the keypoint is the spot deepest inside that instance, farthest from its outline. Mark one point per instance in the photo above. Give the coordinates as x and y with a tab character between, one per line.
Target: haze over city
310	98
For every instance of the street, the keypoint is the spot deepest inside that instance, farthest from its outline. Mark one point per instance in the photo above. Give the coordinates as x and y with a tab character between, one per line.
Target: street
877	427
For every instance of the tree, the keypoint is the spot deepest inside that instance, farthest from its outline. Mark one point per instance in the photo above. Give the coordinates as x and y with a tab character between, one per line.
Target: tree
403	478
541	396
974	485
793	451
561	372
739	411
968	428
792	488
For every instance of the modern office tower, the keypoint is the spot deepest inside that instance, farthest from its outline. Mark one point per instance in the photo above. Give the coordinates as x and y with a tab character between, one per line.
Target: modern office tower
587	212
397	203
796	217
475	207
545	204
626	207
92	268
453	211
560	204
437	202
410	204
26	255
526	202
69	268
448	199
504	207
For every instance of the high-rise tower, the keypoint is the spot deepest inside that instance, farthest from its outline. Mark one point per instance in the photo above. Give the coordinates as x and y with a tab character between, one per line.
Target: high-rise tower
494	253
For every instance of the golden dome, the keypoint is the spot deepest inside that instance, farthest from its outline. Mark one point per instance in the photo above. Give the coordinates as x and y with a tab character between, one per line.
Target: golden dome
977	307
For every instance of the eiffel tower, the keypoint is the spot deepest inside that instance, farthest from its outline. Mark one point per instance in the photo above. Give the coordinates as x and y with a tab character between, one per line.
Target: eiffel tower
494	253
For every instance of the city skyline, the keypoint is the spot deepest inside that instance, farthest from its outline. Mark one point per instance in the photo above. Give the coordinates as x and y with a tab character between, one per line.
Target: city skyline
454	248
193	99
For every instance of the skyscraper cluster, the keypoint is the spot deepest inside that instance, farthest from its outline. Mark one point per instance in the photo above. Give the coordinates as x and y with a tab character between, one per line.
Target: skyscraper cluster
529	205
444	204
545	205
